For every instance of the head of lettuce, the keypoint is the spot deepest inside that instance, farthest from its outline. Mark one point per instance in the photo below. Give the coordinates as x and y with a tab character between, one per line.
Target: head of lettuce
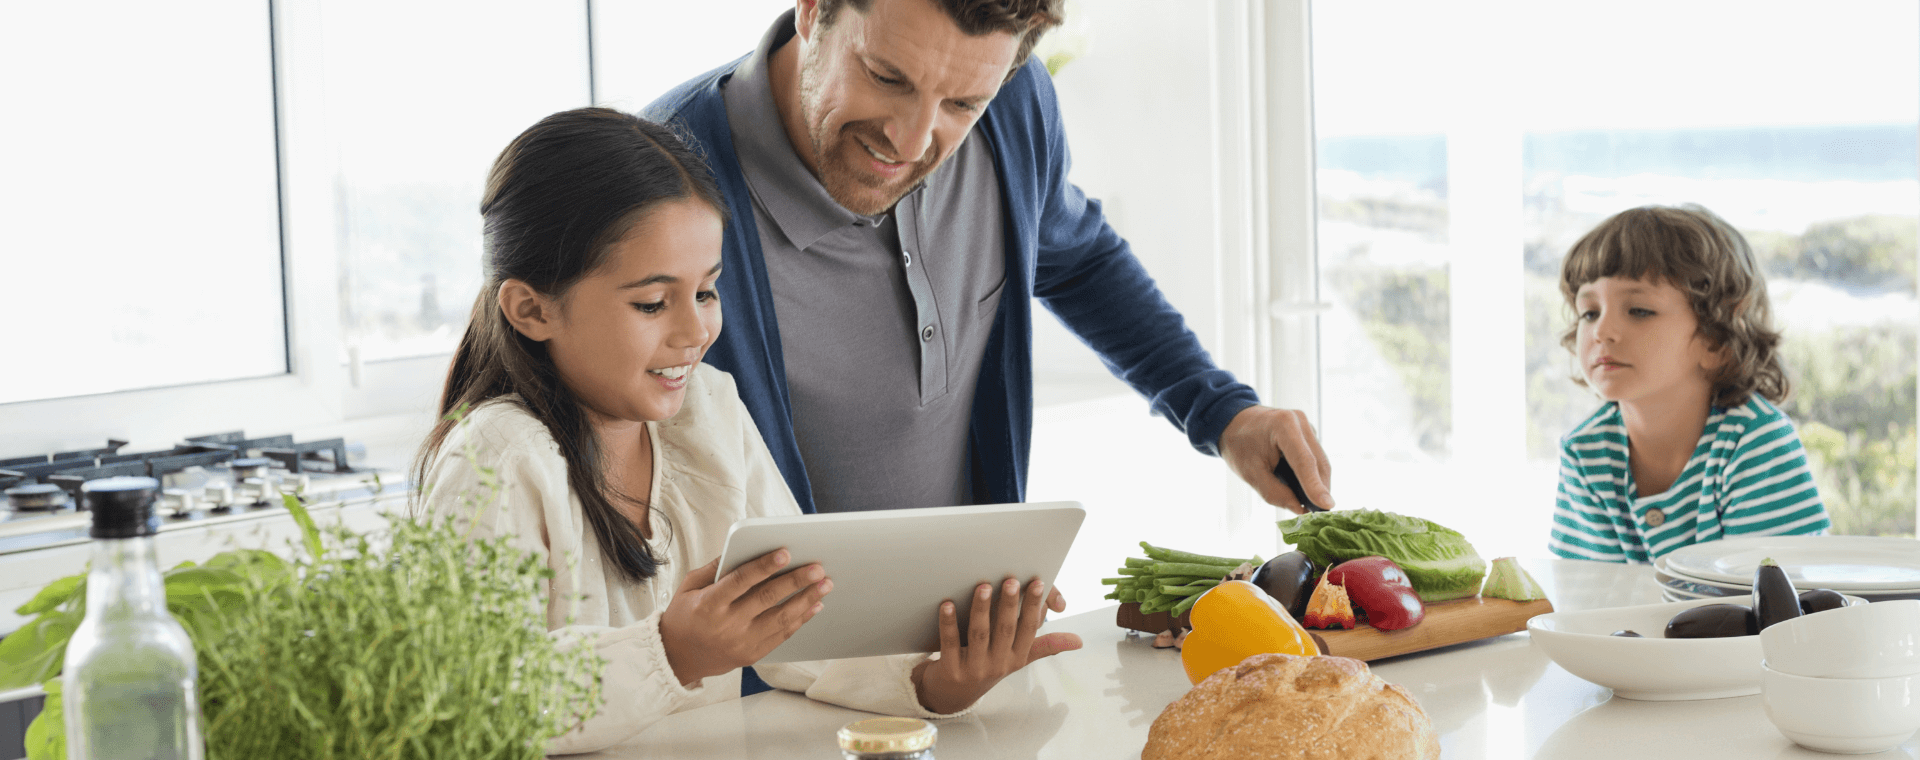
1438	561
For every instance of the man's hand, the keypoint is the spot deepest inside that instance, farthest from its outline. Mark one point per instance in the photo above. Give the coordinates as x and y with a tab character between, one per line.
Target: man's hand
994	648
1254	443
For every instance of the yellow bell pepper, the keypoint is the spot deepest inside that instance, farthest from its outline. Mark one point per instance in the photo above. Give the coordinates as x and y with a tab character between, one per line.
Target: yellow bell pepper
1236	620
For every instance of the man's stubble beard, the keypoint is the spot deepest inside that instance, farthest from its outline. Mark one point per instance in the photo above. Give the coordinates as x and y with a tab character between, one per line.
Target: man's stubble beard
851	188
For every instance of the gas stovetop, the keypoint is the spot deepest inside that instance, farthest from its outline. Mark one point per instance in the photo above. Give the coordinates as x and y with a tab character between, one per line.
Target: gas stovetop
205	480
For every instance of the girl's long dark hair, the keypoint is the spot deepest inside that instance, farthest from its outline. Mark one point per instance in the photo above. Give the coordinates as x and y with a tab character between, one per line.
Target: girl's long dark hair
557	199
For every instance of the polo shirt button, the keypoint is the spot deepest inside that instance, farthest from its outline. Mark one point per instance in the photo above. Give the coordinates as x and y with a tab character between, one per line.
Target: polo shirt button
1656	518
926	333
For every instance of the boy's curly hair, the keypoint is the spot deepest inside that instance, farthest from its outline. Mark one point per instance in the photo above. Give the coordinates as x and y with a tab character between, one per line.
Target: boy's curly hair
1694	250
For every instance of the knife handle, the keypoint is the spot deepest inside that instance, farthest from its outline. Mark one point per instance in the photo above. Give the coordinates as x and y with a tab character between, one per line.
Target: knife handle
1284	472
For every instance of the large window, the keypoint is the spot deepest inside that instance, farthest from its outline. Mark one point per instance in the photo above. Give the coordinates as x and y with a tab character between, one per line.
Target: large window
253	215
1459	159
141	204
421	96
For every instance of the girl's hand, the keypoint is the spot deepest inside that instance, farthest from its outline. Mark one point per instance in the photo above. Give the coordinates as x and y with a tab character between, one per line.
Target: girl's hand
712	627
993	649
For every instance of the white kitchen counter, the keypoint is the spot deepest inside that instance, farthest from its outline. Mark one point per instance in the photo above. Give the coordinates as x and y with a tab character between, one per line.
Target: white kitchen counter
1496	698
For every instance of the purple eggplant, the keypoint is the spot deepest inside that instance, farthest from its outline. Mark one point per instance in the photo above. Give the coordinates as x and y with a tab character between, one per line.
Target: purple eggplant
1288	578
1774	598
1820	600
1712	621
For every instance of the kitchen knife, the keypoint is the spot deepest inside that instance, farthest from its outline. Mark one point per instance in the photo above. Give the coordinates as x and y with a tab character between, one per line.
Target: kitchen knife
1284	472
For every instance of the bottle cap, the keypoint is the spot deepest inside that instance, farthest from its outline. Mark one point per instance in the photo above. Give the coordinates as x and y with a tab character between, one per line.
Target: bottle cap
888	735
122	507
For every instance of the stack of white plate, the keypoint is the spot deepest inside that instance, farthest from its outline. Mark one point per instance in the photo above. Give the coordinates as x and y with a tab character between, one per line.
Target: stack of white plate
1875	569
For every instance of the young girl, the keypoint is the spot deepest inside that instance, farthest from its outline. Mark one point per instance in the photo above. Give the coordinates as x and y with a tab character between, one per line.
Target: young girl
1672	329
622	460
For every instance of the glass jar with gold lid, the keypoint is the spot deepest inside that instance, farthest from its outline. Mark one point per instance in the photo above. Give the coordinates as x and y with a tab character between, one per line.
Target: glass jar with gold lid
888	739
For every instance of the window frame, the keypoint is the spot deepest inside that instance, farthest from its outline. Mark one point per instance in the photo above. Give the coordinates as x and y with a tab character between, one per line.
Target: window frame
317	390
298	397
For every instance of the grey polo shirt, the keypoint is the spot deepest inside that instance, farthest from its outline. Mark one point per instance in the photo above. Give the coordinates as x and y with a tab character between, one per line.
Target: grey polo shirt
883	319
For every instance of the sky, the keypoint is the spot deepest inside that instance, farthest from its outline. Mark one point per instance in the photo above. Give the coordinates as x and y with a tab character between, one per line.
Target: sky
1408	67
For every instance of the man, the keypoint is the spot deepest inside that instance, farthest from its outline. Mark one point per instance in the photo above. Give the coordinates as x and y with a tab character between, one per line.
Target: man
898	184
896	173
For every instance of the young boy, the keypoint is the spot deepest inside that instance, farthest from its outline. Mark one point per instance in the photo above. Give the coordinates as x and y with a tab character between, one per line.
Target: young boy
1672	330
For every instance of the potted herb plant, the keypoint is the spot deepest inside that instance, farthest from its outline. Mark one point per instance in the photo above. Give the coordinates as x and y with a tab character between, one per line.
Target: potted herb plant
416	643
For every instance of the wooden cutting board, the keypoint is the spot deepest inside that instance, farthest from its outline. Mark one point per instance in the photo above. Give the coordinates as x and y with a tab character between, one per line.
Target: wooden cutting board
1454	622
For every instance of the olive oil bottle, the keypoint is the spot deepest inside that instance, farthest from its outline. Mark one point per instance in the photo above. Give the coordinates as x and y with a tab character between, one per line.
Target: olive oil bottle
128	686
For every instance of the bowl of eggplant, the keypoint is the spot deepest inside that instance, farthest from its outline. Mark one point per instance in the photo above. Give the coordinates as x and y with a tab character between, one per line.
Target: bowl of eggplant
1696	649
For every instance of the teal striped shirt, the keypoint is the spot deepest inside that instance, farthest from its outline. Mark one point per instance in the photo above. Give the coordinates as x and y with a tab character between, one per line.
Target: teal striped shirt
1748	476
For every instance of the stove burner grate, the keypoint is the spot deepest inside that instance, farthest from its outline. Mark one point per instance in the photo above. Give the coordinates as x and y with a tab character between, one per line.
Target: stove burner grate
36	497
67	471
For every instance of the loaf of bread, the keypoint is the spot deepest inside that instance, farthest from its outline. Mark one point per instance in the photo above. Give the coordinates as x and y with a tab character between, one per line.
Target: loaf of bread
1287	707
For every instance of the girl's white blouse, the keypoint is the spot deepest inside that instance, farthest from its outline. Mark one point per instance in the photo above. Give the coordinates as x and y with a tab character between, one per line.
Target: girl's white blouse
710	468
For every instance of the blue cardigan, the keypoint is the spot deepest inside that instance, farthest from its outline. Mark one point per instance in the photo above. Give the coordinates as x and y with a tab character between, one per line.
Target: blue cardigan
1059	249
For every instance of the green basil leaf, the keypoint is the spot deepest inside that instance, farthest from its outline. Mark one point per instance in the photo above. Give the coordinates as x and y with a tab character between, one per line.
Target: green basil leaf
36	652
192	581
308	530
256	561
54	595
206	613
47	734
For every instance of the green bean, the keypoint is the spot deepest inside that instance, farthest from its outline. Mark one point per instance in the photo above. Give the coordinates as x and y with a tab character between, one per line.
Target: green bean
1197	586
1134	571
1172	555
1184	605
1138	562
1115	581
1158	603
1203	571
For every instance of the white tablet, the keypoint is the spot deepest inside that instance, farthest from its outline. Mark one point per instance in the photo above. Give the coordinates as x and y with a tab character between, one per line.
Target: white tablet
892	568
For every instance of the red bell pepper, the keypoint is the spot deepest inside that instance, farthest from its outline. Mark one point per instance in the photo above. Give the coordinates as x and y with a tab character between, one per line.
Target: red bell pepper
1381	590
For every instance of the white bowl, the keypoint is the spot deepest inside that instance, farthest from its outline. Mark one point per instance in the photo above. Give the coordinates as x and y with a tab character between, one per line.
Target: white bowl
1652	668
1876	640
1843	715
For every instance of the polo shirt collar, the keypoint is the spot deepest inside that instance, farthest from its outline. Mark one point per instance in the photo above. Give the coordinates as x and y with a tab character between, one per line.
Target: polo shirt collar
792	197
